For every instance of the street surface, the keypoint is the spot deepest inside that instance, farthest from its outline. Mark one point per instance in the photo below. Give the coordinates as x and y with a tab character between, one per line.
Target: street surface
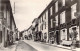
28	45
22	46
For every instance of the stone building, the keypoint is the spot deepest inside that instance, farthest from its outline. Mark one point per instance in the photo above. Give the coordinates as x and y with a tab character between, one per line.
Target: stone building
35	29
7	23
61	18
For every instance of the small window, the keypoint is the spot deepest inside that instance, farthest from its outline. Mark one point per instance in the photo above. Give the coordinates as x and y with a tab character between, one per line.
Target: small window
51	11
51	23
42	18
56	20
42	26
56	6
45	25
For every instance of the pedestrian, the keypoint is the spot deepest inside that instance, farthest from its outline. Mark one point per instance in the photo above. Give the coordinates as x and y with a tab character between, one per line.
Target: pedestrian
73	37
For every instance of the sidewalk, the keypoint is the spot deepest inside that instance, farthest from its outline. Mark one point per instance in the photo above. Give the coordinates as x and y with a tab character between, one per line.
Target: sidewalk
59	46
10	48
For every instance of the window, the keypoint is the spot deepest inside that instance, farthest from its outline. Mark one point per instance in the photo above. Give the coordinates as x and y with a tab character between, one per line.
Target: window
56	6
73	10
63	2
56	20
45	25
63	34
42	26
47	14
62	17
42	18
51	23
51	10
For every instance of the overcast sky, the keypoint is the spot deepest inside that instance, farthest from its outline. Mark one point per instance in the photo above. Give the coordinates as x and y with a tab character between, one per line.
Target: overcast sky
27	10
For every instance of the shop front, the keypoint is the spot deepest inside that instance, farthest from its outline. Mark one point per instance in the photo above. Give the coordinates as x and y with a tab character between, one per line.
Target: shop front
51	37
63	34
77	29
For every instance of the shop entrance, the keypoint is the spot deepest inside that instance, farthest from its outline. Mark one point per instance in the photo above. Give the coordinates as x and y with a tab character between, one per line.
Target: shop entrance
57	37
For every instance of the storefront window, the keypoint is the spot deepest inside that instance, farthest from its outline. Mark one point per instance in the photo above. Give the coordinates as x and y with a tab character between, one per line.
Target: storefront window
63	34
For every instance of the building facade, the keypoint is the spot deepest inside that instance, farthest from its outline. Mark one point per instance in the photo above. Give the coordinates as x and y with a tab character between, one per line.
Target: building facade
43	25
56	22
64	19
29	33
7	23
60	20
35	29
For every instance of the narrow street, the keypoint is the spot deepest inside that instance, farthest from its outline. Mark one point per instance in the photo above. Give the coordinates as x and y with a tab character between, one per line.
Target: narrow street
27	45
39	25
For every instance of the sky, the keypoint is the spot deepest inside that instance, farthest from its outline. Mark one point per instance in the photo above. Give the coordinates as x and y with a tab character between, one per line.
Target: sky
26	11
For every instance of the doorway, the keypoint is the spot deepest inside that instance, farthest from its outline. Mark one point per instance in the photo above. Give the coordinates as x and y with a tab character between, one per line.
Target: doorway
57	37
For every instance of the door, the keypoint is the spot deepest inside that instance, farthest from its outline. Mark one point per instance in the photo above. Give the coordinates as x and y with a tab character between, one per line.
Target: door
57	37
